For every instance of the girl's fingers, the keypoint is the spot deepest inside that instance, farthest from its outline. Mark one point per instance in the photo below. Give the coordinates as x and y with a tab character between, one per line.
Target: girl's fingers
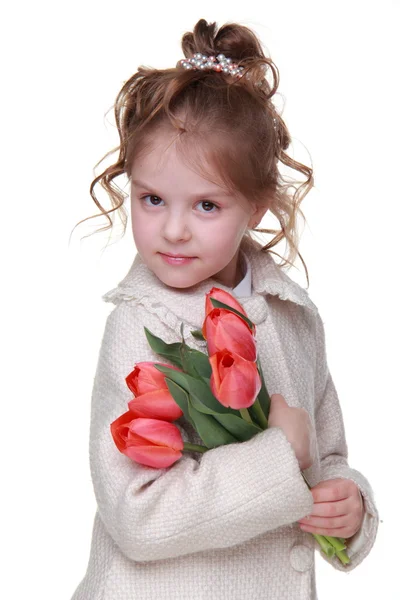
330	509
335	511
342	532
332	490
326	523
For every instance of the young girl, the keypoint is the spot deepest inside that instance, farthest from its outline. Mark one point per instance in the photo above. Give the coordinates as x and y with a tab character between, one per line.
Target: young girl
201	144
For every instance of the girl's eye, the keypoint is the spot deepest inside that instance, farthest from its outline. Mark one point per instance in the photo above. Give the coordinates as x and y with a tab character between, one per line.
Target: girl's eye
208	206
157	200
151	200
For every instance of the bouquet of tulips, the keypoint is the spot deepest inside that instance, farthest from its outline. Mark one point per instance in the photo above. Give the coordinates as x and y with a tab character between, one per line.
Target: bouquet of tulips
222	394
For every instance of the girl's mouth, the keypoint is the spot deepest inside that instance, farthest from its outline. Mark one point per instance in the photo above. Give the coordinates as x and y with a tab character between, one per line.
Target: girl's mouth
177	260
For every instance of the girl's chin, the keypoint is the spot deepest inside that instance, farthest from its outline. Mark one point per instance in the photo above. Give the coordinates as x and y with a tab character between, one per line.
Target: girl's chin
183	275
178	279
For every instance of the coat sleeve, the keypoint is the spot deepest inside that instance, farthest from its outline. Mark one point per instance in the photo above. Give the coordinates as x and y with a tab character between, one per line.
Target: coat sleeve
333	454
229	495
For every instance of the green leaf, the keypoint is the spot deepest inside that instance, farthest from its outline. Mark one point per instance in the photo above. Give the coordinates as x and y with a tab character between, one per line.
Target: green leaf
168	351
203	401
198	334
180	397
210	431
187	363
218	304
254	415
193	361
199	391
259	417
238	427
200	362
176	376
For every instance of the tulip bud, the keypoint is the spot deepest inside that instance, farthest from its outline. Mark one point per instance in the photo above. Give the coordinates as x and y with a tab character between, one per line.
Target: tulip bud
149	442
235	382
224	297
155	405
224	329
146	378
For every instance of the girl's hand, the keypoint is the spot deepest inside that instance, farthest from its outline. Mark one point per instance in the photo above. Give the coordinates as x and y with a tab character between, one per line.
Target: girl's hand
297	426
338	509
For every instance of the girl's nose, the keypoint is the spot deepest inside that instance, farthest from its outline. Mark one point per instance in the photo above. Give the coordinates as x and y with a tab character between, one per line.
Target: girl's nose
176	229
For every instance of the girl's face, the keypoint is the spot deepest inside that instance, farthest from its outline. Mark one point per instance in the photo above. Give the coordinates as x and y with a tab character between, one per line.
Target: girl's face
185	228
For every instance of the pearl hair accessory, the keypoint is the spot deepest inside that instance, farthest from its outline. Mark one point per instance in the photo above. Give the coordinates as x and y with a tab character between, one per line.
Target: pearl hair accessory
220	64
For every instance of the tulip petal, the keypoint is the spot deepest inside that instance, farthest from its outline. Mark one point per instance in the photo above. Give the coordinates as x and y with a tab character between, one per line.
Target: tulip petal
215	380
159	433
120	429
241	387
224	297
226	330
146	378
153	456
235	382
221	305
158	404
149	442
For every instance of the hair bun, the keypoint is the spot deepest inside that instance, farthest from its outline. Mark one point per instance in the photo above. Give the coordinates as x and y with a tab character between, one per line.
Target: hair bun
232	39
239	43
200	40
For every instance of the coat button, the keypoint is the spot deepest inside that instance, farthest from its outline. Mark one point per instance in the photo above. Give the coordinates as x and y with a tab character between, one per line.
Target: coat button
301	557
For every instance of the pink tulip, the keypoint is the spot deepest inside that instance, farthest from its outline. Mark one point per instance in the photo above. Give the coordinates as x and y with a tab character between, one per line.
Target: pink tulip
146	378
158	404
149	442
235	382
226	330
225	297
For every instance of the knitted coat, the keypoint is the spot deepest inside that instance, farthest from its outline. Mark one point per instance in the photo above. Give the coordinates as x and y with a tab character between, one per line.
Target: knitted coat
223	524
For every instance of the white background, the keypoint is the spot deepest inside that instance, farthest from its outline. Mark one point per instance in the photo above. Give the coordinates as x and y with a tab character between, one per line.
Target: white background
62	66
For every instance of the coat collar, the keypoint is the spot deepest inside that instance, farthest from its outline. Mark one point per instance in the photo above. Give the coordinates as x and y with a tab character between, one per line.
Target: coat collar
188	304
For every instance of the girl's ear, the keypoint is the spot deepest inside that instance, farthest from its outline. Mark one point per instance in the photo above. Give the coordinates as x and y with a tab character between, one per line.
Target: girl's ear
258	213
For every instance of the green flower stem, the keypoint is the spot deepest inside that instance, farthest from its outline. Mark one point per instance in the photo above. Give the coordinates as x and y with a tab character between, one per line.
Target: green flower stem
194	448
262	419
325	545
245	415
343	557
336	543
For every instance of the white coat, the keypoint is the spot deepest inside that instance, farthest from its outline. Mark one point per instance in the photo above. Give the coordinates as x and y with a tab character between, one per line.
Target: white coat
220	525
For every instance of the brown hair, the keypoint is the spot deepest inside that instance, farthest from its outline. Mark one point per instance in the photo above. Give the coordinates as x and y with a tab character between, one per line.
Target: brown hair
230	122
